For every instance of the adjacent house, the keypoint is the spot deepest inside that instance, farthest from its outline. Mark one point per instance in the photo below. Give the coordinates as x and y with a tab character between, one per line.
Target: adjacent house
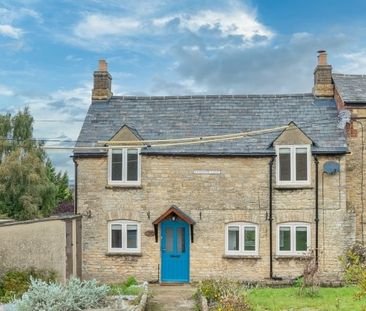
248	187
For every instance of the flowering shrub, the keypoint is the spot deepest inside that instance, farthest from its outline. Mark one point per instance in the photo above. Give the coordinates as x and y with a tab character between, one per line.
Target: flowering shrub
354	263
75	295
224	295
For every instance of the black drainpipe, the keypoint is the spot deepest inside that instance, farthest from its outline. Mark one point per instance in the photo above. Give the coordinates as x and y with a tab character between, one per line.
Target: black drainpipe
270	218
316	209
76	186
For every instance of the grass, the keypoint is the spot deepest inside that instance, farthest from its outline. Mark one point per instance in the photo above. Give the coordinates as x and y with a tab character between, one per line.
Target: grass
128	287
328	299
122	289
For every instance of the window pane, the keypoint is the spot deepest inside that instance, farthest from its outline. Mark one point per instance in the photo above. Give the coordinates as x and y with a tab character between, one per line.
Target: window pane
132	165
116	236
301	238
285	163
285	238
233	238
116	164
249	238
301	164
181	247
131	236
169	239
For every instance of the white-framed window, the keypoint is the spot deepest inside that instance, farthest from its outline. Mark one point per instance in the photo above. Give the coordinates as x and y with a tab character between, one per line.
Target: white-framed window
124	236
293	238
241	238
124	166
293	164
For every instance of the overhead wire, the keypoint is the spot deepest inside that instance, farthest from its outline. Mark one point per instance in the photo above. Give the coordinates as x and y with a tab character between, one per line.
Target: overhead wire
50	139
179	142
163	142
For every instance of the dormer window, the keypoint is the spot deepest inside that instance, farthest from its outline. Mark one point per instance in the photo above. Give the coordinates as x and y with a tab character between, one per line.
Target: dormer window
293	164
124	166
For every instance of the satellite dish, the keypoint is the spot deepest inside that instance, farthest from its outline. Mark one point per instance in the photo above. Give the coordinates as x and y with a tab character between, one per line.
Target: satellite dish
331	167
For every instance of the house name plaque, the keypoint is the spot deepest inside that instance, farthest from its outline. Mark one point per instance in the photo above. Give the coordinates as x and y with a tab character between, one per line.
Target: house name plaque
207	172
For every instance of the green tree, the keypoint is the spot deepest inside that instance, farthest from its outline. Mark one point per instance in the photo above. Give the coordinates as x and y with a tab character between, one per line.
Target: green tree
61	180
29	184
25	190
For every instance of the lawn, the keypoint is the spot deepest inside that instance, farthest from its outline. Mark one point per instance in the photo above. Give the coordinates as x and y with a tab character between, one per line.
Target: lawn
277	299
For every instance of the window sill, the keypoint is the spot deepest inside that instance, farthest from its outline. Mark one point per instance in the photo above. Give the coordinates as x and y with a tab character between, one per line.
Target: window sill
293	187
117	254
124	186
241	256
289	257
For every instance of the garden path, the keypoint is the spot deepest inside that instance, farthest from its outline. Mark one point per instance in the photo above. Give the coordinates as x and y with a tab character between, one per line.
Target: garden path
171	298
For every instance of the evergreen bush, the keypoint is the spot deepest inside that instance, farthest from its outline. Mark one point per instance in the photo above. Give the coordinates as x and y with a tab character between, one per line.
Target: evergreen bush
75	295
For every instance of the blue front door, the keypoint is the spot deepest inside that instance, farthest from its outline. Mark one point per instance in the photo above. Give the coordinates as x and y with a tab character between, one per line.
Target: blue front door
174	251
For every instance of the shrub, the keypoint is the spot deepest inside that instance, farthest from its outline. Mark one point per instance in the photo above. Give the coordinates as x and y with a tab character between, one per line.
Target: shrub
233	302
128	287
65	208
354	263
225	295
130	281
14	282
75	295
308	283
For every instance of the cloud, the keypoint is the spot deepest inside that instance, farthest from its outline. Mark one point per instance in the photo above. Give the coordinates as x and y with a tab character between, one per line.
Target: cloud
6	91
16	13
57	115
230	23
73	58
98	25
286	66
164	86
234	25
10	31
354	62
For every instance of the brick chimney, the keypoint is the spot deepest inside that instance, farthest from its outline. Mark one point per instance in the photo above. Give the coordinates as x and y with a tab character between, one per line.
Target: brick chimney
102	82
323	85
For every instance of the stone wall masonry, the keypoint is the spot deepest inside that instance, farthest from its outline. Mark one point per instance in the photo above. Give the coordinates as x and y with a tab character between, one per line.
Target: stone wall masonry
239	193
356	182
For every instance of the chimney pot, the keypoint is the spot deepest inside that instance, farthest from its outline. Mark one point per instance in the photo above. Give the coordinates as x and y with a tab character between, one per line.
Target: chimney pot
322	57
103	66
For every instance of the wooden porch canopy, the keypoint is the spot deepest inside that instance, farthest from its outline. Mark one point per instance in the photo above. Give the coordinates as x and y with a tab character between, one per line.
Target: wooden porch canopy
173	211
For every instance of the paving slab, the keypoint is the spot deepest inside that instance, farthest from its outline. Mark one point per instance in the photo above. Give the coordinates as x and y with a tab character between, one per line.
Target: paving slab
171	297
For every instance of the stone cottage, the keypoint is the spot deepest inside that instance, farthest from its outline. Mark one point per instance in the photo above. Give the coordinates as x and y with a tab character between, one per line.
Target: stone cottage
181	188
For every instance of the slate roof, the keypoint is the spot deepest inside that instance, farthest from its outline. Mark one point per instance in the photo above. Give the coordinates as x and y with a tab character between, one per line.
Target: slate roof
170	117
352	88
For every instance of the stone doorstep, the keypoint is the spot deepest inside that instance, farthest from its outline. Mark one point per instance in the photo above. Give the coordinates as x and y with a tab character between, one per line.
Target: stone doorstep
177	298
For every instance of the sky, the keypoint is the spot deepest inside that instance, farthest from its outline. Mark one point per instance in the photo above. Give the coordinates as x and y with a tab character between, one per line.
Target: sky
49	50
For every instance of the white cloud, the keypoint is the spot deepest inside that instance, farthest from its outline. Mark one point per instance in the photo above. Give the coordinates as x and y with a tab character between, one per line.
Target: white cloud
234	25
9	15
6	91
73	58
10	31
99	25
229	23
354	62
